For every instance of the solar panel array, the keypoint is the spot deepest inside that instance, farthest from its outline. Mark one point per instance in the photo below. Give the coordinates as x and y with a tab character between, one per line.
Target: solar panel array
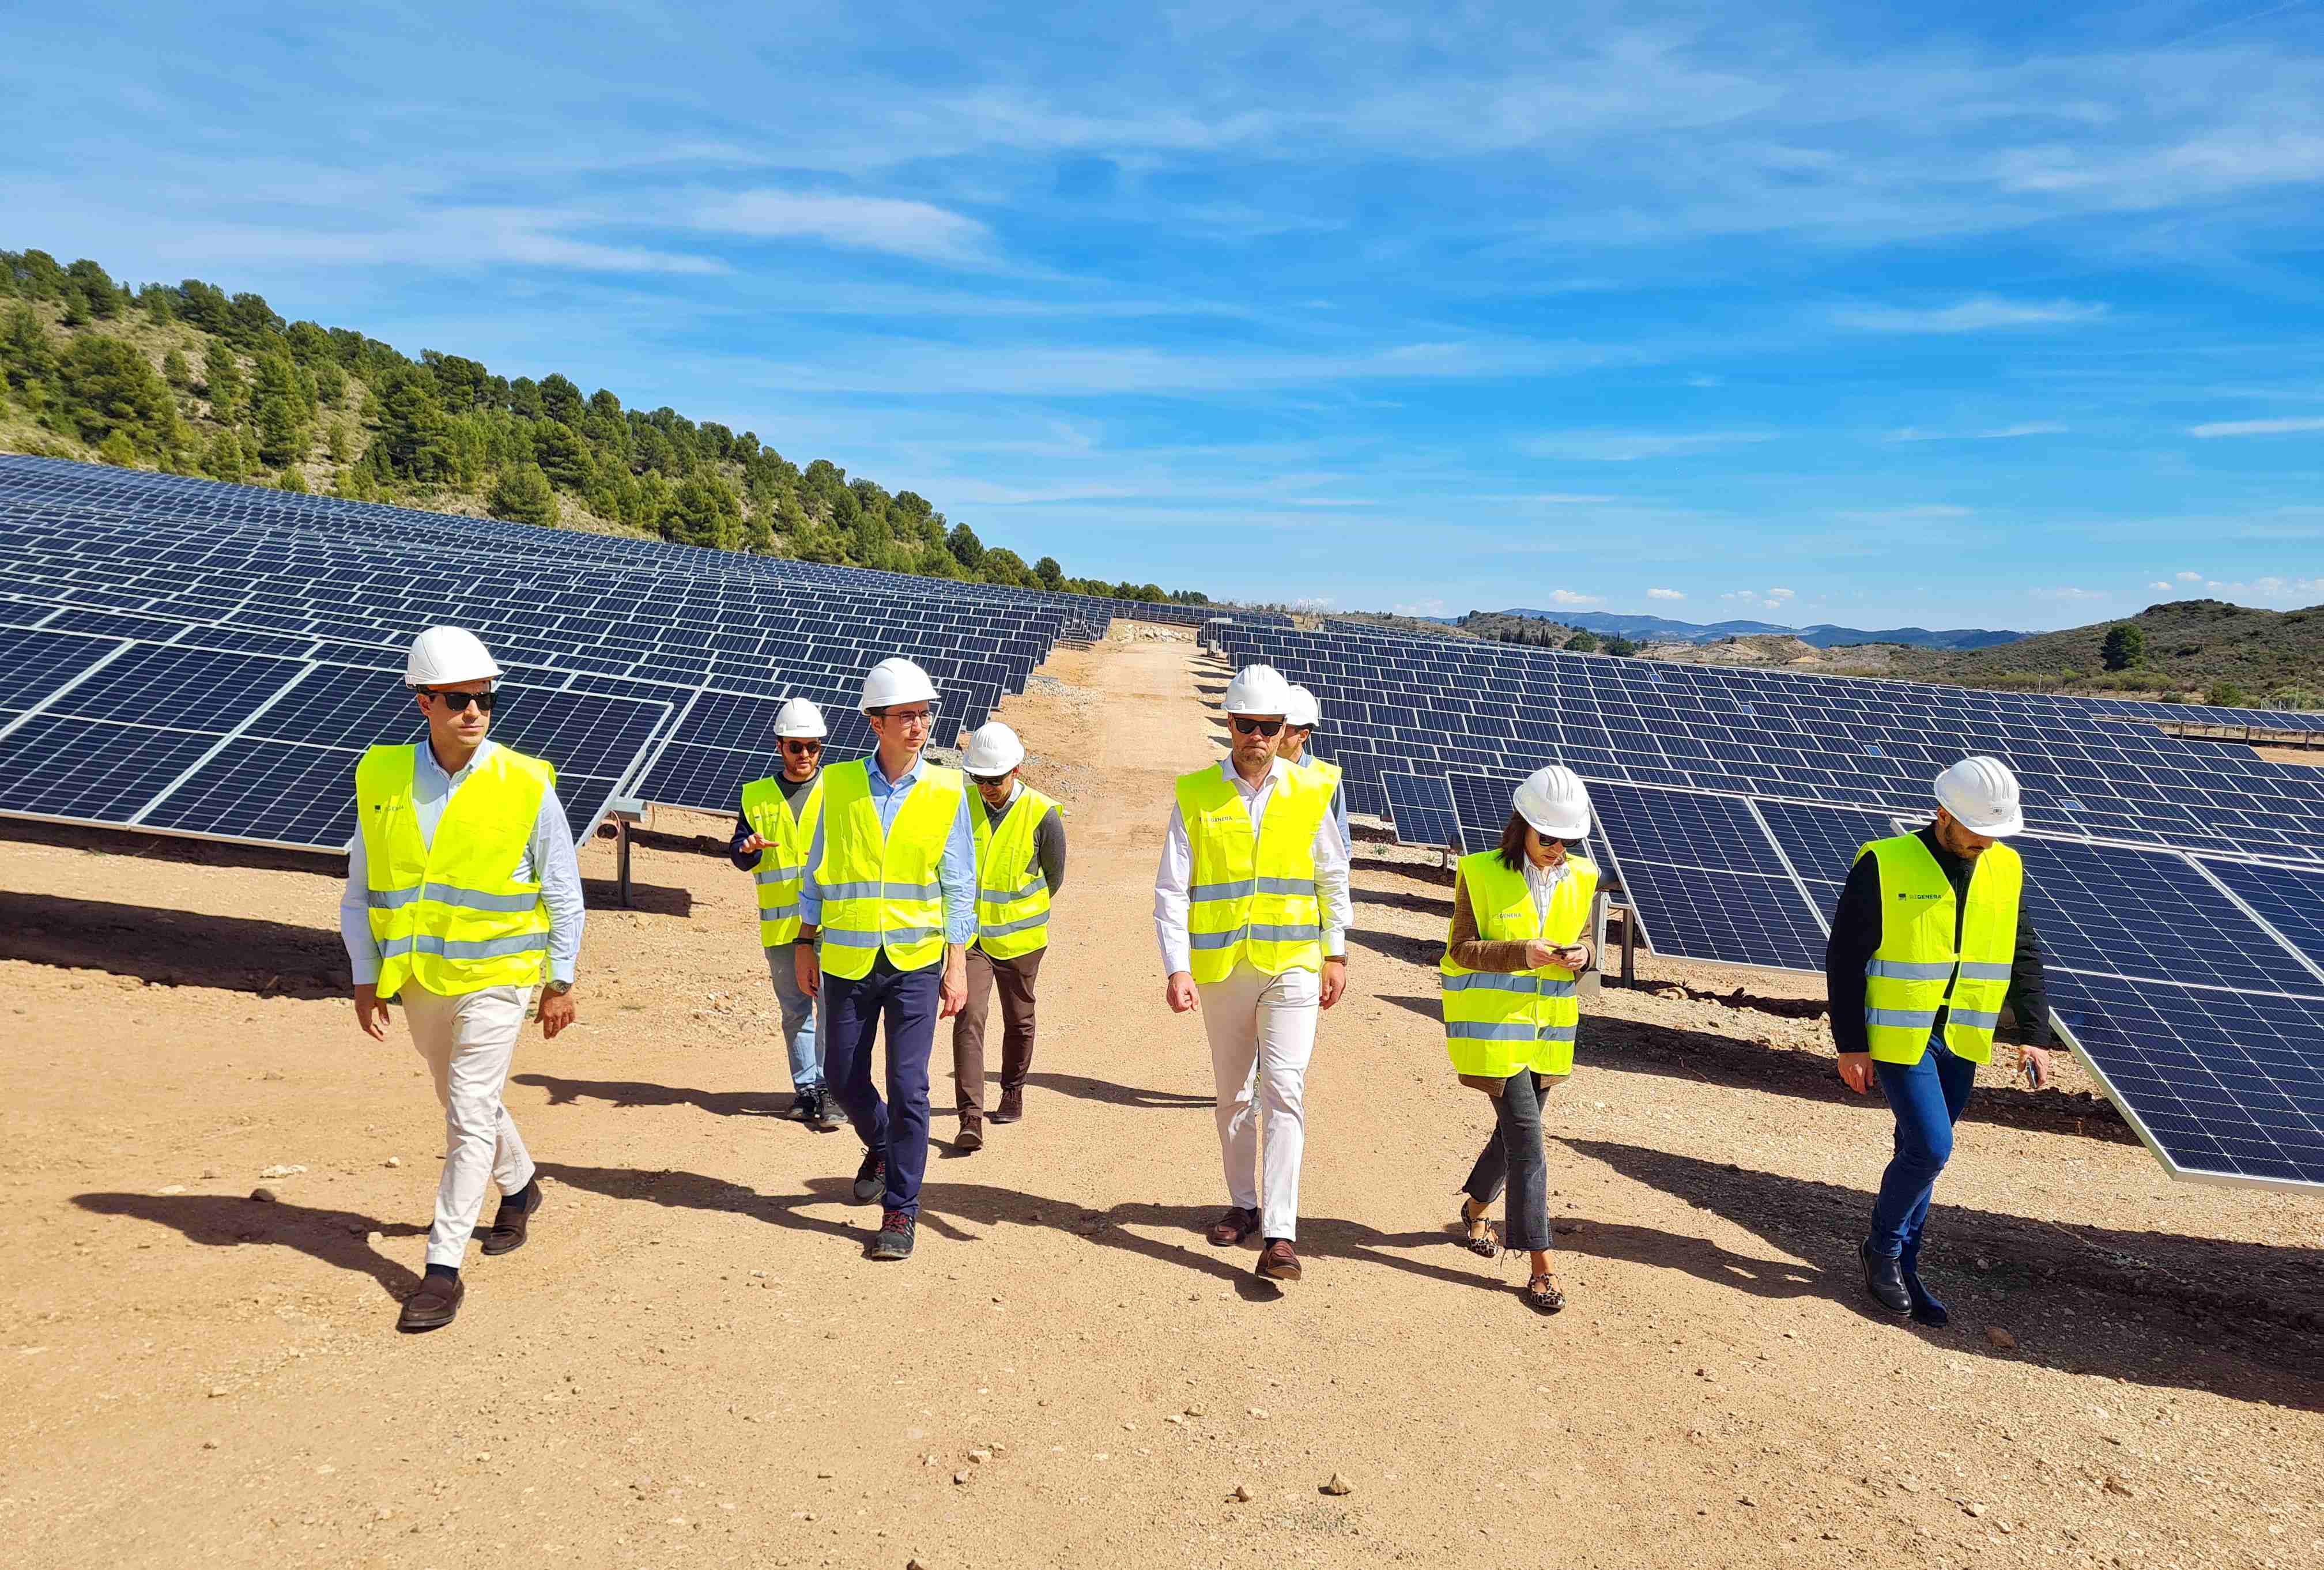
2178	885
196	658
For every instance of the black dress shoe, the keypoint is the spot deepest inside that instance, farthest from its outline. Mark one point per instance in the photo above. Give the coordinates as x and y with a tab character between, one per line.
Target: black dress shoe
1883	1278
432	1307
506	1234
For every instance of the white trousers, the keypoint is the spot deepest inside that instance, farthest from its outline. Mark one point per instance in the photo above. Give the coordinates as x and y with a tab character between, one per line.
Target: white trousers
1268	1022
469	1041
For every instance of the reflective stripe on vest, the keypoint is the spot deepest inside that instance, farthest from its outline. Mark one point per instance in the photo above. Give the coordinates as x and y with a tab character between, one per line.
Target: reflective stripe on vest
783	863
1012	897
880	890
1917	972
1500	1023
451	913
1253	897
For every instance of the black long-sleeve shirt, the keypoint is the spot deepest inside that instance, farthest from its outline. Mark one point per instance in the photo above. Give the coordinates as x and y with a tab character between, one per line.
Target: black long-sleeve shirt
1856	938
748	860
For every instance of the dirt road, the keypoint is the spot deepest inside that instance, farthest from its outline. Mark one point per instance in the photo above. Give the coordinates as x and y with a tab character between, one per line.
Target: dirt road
691	1363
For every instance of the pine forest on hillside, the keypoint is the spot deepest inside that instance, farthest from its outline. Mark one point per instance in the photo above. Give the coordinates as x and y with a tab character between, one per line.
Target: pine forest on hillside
187	378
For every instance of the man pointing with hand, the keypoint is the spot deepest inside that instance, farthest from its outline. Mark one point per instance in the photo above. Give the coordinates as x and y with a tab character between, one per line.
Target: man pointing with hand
1250	907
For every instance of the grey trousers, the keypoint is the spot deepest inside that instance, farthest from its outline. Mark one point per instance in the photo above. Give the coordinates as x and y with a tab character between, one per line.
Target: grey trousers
1513	1158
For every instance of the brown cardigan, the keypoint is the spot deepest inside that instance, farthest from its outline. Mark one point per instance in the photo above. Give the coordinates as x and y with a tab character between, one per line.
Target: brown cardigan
1471	952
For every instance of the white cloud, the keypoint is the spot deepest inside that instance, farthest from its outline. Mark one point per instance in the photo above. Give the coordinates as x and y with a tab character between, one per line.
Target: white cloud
1999	433
2190	578
2258	427
1421	608
1622	446
1663	594
2286	592
1983	314
1780	594
859	223
2068	593
1571	600
2160	583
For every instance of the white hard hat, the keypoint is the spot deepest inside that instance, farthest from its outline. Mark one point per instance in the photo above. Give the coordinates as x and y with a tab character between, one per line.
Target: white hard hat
447	654
1981	794
1259	690
1555	802
896	679
1303	711
799	717
993	750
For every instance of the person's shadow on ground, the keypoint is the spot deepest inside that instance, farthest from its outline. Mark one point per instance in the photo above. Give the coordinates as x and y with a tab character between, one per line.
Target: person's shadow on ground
336	1237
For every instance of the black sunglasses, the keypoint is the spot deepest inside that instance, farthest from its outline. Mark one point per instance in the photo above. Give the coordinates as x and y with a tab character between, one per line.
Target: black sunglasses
792	745
458	702
1251	727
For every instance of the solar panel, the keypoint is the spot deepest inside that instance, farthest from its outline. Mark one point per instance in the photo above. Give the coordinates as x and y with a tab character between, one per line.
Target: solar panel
1705	879
1422	808
1821	842
2290	900
1481	804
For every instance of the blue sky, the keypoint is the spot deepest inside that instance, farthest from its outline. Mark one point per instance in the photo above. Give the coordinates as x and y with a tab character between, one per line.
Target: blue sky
1985	316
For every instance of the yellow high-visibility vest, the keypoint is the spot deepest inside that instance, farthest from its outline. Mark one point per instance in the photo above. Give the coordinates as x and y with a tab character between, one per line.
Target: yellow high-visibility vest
1324	766
1253	898
1917	970
1013	896
1498	1023
881	891
451	914
789	832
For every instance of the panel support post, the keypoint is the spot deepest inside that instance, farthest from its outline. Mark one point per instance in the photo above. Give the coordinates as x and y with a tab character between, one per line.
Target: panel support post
1629	946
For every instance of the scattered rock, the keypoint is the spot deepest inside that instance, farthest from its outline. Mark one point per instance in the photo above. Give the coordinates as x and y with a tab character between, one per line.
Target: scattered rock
1241	1494
976	1457
1258	1412
282	1171
373	1239
1974	1510
216	1391
398	1160
264	1195
963	1475
210	1172
1339	1486
210	1444
1194	1411
172	1188
1996	1336
2116	1485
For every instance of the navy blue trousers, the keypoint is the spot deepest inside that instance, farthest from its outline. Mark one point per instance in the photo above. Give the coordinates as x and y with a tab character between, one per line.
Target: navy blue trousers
1927	1098
853	1011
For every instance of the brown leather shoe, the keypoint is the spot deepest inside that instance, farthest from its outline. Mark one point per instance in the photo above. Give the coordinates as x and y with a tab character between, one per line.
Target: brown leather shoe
507	1232
972	1131
1013	1104
1276	1262
432	1307
1235	1225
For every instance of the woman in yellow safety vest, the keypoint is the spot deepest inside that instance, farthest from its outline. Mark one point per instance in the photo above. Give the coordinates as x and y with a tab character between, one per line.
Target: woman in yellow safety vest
1519	939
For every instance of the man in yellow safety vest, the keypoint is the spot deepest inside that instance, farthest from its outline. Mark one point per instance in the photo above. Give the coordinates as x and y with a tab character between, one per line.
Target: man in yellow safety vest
1020	866
1298	731
771	836
1928	940
886	910
462	895
1250	907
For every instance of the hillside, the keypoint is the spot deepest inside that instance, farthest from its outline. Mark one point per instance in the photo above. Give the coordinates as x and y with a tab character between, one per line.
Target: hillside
186	378
2196	650
1823	635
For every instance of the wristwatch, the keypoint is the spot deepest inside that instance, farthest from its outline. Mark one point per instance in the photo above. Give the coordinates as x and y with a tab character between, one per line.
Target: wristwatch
558	989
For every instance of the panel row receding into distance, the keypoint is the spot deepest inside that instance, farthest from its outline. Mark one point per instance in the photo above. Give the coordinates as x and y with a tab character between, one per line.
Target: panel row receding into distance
1704	878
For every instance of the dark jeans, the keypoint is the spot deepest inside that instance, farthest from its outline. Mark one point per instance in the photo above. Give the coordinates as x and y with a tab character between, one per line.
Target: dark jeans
1513	1157
1015	978
852	1013
1927	1098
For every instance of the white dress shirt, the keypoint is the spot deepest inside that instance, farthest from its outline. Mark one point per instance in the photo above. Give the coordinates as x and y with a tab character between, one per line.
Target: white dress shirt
1175	877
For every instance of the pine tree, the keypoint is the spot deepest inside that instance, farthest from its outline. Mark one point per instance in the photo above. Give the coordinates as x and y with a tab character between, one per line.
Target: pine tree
522	496
223	383
293	479
175	371
224	460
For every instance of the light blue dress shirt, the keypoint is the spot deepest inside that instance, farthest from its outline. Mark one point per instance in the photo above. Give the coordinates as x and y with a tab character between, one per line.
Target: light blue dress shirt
956	873
548	860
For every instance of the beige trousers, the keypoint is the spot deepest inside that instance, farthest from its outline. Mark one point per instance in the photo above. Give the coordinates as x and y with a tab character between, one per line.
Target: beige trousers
469	1041
1266	1022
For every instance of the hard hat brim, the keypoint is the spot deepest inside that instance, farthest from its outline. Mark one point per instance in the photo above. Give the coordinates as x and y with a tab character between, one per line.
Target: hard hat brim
2012	824
1558	828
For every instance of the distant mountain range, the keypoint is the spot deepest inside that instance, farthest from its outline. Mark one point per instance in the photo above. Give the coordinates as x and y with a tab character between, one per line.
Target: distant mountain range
1822	636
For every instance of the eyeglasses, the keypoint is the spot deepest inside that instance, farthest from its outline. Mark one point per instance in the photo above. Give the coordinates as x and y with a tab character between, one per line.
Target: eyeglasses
1254	727
792	744
910	717
458	702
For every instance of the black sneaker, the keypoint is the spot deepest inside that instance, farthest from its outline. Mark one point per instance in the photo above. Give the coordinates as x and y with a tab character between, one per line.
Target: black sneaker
802	1105
827	1118
897	1231
870	1178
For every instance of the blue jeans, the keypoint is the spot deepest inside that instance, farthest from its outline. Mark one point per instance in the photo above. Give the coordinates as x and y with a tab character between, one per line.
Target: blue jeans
1927	1098
853	1012
799	1019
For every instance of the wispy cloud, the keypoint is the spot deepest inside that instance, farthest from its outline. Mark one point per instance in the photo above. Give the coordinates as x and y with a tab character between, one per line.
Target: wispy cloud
1664	593
2163	584
1568	599
2068	593
1622	446
863	222
2286	427
1986	313
1998	433
2190	576
1918	513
